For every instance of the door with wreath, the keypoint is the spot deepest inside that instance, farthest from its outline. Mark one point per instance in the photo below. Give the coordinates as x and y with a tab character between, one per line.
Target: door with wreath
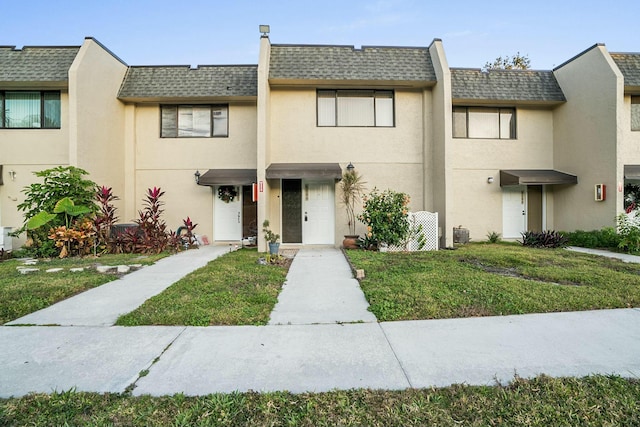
227	213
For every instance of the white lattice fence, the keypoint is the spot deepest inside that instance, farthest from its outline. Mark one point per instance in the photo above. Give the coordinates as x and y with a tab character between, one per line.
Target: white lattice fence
423	233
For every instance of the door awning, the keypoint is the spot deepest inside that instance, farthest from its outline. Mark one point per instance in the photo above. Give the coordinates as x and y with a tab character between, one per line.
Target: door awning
535	177
304	170
632	172
228	177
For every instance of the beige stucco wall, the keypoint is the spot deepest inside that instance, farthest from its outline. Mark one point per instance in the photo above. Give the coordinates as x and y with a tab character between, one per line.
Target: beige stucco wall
586	135
26	151
170	163
629	148
477	205
387	158
97	117
441	169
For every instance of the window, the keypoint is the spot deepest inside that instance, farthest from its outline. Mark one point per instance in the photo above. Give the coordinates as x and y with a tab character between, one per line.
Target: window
484	122
29	110
635	113
194	121
355	108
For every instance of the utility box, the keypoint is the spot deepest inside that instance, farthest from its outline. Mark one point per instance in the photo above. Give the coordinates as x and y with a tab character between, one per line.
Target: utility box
460	235
5	239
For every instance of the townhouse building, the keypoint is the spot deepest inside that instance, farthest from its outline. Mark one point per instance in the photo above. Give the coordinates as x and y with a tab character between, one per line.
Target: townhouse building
499	150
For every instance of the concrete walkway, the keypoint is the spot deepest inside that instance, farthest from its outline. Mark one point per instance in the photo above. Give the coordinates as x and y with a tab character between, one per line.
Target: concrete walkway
608	254
308	357
320	289
103	305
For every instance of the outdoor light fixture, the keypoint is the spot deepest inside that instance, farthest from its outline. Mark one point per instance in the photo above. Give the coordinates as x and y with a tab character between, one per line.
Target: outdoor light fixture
490	180
350	167
197	175
264	29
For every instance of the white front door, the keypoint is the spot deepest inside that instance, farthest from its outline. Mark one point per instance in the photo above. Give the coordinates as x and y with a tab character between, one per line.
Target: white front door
514	211
227	217
318	220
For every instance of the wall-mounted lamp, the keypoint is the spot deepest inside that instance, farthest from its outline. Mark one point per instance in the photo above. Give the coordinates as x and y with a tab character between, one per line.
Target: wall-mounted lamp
264	29
490	180
197	176
12	174
350	167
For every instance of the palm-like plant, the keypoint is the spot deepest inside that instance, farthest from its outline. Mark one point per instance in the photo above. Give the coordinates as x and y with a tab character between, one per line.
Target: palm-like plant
352	186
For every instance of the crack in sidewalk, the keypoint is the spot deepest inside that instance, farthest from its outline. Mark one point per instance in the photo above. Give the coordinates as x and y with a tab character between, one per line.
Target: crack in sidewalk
145	371
404	372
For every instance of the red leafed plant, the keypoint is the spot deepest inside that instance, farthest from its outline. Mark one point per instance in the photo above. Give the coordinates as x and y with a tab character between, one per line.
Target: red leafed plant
153	228
106	218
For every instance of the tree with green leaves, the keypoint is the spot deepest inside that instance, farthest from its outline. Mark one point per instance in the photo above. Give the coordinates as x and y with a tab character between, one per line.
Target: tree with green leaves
513	62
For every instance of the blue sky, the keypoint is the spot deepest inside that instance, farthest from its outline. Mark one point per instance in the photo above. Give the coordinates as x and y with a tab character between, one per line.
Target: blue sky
159	32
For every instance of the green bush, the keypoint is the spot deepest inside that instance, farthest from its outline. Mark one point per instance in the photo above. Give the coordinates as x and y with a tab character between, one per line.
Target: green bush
629	231
57	183
385	215
606	237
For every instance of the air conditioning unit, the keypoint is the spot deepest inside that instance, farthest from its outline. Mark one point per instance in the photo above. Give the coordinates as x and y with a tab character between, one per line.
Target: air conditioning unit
5	239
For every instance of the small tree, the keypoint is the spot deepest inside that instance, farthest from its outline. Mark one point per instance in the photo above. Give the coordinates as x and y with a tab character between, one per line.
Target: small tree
386	216
352	187
513	62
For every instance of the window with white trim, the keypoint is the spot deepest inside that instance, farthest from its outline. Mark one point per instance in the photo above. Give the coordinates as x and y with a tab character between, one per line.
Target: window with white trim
484	122
367	108
635	113
194	121
30	109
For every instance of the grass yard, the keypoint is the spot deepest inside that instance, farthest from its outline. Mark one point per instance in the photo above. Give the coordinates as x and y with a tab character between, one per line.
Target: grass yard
231	290
21	294
542	401
493	279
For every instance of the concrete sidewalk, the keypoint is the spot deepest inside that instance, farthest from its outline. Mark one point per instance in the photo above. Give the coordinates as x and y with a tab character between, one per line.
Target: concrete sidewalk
299	358
320	288
103	305
353	353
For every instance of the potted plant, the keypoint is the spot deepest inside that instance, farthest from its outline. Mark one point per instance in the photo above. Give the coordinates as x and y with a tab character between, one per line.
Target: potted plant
352	188
271	238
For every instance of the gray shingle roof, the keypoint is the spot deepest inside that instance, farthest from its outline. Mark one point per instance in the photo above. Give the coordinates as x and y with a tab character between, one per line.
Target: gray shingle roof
629	64
36	64
505	85
160	82
345	63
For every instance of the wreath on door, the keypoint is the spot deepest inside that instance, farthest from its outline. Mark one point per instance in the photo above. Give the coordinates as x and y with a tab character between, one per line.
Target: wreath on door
227	193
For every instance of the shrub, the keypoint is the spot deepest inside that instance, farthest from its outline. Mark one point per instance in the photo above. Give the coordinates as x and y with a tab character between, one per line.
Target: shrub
544	239
385	215
606	237
629	231
105	219
57	183
494	237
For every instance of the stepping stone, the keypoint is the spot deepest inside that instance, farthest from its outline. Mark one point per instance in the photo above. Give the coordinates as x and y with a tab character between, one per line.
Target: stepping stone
123	269
105	268
30	262
76	270
54	270
28	270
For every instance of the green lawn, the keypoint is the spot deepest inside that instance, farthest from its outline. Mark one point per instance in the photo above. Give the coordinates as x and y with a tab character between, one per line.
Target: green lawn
542	401
231	290
493	279
21	294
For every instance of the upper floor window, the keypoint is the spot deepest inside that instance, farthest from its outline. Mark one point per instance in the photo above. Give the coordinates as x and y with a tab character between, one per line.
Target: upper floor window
193	121
355	108
29	110
484	122
635	113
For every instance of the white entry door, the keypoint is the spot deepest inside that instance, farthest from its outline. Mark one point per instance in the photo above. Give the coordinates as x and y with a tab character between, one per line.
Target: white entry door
514	211
318	216
227	217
